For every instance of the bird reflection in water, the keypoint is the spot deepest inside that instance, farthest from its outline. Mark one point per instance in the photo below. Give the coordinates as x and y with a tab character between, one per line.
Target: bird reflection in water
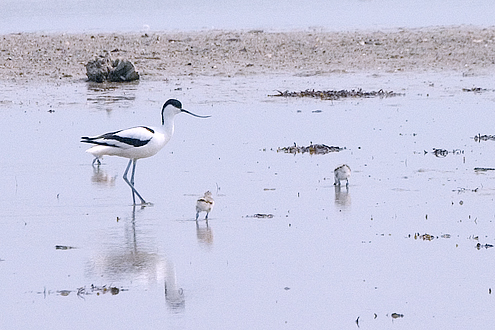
342	196
174	295
101	177
126	260
204	235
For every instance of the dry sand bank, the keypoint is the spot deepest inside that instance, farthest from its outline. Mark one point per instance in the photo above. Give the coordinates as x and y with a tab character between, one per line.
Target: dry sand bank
158	56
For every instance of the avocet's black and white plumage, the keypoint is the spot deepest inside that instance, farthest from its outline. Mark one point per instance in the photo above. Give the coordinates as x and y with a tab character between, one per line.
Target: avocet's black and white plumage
137	142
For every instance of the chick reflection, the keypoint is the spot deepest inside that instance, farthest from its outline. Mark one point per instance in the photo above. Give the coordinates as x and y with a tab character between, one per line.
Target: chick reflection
100	177
342	196
132	258
204	235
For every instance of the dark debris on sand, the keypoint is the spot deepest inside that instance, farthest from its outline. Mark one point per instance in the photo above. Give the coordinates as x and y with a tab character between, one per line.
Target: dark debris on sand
441	153
475	89
84	291
313	149
485	137
260	216
336	95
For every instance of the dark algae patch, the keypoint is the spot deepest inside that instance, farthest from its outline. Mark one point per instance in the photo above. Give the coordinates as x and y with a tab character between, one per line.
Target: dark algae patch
313	149
484	137
338	94
85	291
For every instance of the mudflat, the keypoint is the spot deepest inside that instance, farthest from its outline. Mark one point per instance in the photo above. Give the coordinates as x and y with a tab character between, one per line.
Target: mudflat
161	55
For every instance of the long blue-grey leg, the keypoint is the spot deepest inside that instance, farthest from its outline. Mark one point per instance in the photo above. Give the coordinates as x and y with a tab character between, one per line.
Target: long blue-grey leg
133	170
131	183
96	161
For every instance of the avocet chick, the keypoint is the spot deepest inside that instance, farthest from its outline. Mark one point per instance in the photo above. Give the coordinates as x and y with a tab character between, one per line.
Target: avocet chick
343	172
204	204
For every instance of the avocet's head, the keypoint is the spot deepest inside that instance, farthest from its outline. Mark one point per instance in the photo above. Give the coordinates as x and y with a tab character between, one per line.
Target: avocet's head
173	107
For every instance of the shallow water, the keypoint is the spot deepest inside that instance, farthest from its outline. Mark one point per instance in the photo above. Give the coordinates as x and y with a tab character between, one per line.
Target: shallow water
325	259
124	16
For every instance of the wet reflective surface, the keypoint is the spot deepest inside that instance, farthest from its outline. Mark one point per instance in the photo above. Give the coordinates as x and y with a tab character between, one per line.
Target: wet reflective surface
399	247
93	15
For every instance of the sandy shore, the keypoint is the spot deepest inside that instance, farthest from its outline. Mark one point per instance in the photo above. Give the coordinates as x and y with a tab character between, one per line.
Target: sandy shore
159	56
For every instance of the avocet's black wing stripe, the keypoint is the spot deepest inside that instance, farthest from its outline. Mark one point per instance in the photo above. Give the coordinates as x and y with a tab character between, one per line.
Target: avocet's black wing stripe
126	142
128	138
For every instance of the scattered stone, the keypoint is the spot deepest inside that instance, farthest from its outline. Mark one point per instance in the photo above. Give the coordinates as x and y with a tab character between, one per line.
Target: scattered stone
105	69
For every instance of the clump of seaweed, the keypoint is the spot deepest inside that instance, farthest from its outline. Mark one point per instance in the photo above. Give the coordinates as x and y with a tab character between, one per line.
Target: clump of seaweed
441	153
64	247
484	169
428	237
83	291
260	216
313	149
336	95
485	137
479	246
462	190
474	89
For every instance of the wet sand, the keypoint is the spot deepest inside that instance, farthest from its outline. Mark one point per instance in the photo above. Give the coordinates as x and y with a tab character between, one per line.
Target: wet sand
161	55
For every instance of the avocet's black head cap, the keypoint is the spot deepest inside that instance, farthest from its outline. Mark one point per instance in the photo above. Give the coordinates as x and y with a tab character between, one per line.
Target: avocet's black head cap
174	102
178	105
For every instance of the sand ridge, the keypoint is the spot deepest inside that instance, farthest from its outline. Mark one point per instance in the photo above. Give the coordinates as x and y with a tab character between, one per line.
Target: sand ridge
162	55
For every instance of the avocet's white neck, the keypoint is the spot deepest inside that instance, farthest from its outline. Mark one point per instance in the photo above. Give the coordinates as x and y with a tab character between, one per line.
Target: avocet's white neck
168	117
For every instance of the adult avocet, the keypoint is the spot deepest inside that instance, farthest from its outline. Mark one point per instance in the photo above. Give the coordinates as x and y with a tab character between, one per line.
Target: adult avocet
137	142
